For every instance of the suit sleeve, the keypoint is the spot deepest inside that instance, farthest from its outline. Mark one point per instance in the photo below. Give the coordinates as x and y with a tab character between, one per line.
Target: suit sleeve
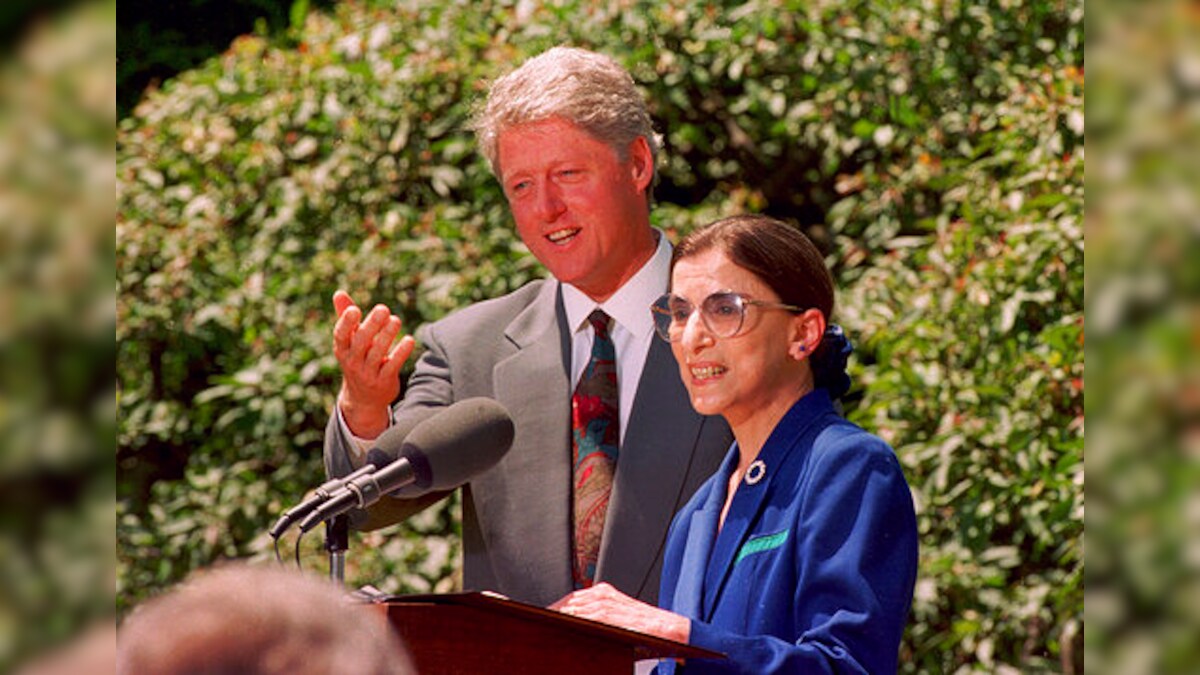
855	558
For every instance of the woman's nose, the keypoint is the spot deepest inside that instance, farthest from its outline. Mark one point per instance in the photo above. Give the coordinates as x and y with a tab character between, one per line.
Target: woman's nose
696	334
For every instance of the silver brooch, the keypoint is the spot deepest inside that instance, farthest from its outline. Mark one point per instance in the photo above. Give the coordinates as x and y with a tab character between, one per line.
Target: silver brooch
756	472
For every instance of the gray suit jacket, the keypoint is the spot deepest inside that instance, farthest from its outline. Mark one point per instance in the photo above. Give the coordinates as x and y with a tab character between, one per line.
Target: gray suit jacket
517	515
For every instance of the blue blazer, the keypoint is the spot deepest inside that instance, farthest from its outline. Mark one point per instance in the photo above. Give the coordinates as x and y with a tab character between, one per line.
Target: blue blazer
813	571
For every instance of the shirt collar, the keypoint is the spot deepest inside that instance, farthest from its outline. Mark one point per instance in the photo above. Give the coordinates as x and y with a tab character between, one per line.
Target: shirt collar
630	305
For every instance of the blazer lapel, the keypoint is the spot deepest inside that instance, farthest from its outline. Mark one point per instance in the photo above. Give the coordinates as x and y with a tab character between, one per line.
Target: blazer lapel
535	476
653	461
701	535
743	514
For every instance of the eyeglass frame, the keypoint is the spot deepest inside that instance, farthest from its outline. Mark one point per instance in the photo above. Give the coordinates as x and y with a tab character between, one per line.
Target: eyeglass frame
661	307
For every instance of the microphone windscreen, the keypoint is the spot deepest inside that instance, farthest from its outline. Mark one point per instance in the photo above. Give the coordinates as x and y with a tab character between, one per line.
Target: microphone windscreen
379	458
391	441
465	439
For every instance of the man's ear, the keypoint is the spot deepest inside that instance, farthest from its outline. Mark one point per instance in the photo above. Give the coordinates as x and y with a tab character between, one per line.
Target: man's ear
641	162
807	329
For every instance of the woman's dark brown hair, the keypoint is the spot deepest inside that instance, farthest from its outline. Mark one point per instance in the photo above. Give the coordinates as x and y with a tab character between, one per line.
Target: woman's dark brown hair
779	254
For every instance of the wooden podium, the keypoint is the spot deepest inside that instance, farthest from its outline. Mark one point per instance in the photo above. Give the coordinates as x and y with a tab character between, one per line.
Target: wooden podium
473	633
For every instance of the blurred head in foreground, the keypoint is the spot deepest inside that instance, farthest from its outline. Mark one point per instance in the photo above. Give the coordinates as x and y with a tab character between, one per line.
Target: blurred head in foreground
262	620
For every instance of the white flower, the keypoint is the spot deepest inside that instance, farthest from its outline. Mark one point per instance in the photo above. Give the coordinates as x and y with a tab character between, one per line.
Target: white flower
884	135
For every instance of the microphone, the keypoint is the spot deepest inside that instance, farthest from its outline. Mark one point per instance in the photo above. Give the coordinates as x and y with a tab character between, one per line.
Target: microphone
441	453
322	493
376	460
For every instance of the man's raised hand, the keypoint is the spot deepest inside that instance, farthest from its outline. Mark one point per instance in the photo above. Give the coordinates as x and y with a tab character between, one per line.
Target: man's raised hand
370	364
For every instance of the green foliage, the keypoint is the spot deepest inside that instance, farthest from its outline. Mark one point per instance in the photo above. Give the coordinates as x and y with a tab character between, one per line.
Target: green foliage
57	368
1143	325
972	330
156	40
935	150
976	339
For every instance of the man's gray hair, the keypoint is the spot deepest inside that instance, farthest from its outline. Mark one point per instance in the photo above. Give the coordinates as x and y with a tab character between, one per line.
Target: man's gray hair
585	88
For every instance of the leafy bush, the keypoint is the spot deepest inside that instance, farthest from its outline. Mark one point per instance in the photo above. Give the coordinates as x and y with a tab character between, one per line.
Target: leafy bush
974	340
1143	320
935	151
57	368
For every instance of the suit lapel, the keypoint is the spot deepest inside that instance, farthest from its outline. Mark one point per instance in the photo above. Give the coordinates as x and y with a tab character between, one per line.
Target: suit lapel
536	473
654	458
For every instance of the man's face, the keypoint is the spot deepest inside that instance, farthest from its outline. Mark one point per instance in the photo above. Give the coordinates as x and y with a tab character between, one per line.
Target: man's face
580	209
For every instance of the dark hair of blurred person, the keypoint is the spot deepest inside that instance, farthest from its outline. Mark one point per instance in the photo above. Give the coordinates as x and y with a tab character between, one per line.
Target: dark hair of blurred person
262	620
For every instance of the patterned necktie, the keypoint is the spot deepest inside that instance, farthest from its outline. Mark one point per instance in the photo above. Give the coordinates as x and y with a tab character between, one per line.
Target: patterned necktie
595	433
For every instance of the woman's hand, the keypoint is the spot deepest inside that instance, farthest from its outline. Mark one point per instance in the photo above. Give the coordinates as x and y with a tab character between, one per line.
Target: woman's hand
606	604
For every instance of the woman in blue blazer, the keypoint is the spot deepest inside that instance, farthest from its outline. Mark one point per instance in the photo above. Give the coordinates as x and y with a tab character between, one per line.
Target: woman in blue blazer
800	554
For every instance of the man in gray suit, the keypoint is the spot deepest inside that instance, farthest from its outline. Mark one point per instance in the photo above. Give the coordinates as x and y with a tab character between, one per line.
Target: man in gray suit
568	136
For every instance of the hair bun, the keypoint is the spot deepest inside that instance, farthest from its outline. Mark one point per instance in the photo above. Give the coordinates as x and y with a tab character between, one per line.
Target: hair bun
829	362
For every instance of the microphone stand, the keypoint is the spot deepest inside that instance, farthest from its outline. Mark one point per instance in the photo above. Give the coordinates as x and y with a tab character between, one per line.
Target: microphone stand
337	540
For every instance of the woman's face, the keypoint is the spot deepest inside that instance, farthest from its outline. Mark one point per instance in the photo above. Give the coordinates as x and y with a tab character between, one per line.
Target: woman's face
751	373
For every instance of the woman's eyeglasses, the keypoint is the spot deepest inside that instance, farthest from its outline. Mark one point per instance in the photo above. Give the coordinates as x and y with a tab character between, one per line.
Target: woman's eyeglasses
723	313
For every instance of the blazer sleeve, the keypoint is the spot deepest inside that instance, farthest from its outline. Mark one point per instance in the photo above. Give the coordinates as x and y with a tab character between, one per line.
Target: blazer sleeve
855	561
